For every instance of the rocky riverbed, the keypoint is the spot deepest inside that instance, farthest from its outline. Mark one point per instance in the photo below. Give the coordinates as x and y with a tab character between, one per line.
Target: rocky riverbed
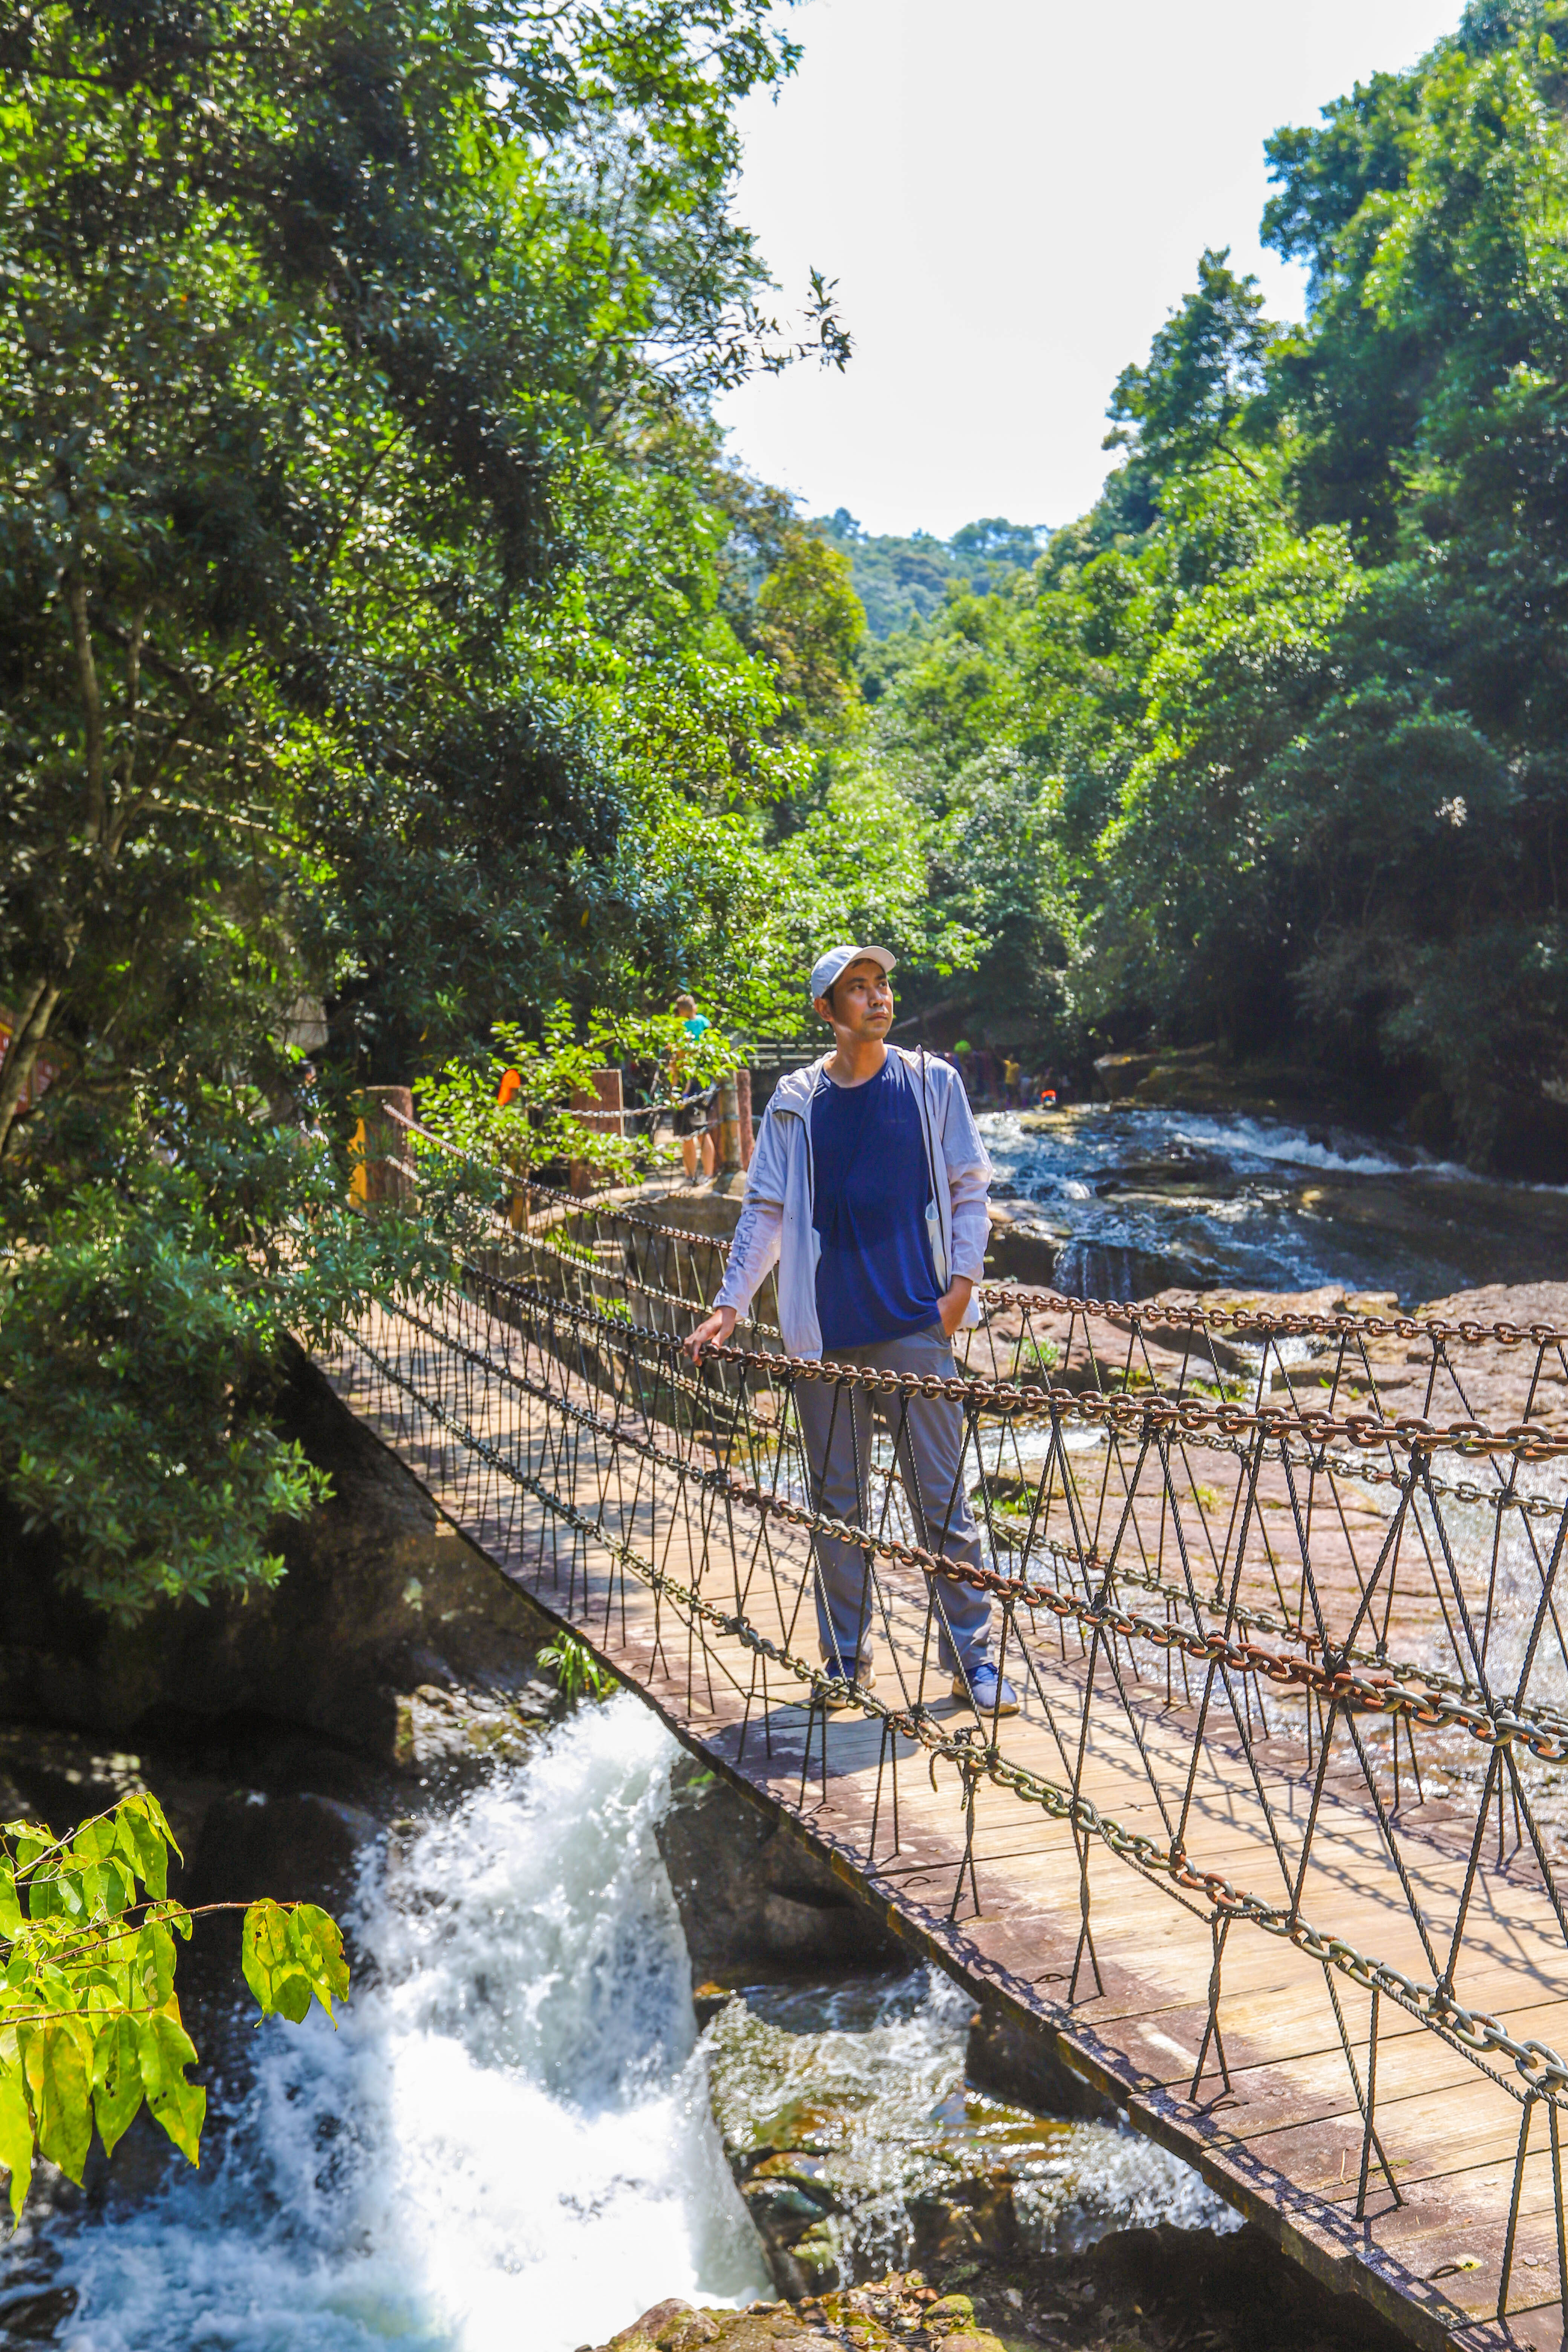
1159	2290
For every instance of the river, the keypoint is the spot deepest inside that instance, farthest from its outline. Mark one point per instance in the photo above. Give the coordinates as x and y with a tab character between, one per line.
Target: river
1145	1199
509	2139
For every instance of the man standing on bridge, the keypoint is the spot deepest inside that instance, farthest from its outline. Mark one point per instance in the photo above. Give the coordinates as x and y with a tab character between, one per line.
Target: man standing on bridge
868	1189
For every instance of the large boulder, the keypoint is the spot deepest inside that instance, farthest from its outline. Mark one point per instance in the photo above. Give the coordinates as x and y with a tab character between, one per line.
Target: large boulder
754	1902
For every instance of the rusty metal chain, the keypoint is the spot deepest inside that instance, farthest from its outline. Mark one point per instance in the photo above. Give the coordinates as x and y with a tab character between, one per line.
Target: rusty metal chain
1544	2074
1380	1690
1527	1441
1143	1312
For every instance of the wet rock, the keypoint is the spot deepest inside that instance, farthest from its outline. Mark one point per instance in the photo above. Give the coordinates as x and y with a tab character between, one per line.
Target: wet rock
1022	1250
752	1899
895	2311
1018	2063
680	2328
670	2326
832	2163
297	1848
33	2318
1114	1270
1161	2290
453	1735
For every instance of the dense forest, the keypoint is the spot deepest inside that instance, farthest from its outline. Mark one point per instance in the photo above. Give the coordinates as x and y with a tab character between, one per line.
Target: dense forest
1268	747
390	649
386	650
900	581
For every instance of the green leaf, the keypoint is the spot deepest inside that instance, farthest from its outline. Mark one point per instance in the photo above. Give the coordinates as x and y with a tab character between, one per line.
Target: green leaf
116	2079
264	1950
292	1957
319	1941
59	2078
15	2135
10	1909
165	2050
155	1956
292	1993
93	1841
138	1840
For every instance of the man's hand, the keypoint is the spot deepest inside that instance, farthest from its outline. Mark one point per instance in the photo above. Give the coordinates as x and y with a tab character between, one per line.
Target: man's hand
711	1332
953	1303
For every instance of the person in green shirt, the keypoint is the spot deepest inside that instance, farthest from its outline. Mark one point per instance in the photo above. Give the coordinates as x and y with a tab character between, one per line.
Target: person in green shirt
691	1111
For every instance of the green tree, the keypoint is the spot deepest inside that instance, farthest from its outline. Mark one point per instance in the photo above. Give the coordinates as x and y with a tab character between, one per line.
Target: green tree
1207	368
1285	709
363	648
809	624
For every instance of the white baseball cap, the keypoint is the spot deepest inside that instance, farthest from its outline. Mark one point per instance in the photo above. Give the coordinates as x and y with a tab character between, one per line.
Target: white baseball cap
828	967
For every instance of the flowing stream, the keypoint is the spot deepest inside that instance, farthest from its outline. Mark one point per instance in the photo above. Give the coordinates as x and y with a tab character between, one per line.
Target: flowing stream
1142	1201
509	2140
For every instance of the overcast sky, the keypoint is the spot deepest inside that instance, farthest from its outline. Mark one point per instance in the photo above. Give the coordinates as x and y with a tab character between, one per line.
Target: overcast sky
1012	195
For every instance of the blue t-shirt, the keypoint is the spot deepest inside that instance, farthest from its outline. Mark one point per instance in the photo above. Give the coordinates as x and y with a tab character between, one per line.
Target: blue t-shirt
876	1278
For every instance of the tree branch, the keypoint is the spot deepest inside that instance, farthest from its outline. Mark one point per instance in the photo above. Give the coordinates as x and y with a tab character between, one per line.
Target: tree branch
92	709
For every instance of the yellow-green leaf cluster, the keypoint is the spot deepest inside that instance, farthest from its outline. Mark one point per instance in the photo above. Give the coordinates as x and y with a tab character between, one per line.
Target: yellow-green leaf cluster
90	2019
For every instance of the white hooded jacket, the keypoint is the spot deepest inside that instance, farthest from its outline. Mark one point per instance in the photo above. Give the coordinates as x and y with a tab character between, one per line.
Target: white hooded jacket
775	1224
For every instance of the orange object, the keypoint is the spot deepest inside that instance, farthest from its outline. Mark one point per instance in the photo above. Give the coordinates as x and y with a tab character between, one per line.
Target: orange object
511	1084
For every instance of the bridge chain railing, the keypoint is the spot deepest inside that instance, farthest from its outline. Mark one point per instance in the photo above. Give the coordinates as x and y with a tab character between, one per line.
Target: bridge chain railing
1358	1603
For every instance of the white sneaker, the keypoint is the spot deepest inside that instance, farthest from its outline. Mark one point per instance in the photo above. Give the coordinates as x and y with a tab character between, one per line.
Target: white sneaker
989	1692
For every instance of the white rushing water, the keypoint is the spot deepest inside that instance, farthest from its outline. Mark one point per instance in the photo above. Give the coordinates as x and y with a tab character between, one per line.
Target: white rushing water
508	2141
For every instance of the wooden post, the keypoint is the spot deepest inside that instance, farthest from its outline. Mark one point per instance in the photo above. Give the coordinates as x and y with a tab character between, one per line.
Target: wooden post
604	1111
743	1097
378	1149
728	1149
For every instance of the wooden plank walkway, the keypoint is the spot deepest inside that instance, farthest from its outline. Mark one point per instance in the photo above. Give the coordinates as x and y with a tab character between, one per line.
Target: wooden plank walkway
1284	2140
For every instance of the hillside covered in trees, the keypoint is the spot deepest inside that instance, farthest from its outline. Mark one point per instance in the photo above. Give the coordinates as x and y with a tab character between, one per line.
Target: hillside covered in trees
1268	747
900	581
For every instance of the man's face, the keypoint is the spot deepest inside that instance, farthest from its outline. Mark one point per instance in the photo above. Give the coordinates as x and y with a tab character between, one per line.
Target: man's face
861	1005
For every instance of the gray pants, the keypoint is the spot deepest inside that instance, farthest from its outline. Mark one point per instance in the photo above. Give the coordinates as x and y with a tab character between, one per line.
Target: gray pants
835	1424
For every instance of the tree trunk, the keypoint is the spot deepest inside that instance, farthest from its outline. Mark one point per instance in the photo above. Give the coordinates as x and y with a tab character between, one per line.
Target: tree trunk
22	1056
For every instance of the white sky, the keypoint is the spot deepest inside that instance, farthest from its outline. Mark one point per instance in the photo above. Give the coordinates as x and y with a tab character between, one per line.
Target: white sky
1012	195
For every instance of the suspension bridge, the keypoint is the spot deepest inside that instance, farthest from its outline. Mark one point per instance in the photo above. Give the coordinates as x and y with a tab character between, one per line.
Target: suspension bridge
1273	1854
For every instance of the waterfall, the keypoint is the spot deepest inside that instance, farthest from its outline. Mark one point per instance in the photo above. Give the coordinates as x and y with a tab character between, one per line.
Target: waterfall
507	2140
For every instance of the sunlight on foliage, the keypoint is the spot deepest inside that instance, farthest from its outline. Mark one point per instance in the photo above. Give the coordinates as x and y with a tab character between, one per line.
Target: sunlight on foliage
577	1672
90	2019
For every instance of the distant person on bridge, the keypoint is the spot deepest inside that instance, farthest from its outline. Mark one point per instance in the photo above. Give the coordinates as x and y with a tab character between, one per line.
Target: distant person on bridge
868	1189
691	1111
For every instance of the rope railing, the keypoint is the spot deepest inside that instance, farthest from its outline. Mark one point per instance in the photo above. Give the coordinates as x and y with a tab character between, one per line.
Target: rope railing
1274	1658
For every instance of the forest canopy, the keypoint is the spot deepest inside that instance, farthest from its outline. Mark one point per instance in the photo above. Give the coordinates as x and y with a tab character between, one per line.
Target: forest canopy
375	659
